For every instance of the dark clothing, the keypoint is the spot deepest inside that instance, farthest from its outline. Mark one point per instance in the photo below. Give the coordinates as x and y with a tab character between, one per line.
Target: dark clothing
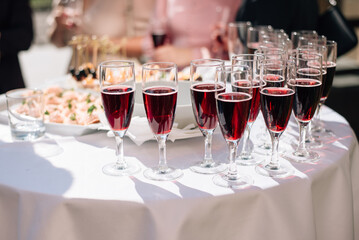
289	15
16	35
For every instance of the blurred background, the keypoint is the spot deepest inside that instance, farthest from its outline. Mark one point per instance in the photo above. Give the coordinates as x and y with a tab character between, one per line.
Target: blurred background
52	62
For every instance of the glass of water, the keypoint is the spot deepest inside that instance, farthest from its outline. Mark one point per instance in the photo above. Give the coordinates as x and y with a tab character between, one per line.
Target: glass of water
26	113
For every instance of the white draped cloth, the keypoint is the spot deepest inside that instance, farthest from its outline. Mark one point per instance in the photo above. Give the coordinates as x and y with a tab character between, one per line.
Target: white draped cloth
55	189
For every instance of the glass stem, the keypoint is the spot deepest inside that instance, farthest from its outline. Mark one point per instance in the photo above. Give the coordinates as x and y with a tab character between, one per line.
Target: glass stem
302	136
274	162
232	169
246	149
162	165
120	163
208	147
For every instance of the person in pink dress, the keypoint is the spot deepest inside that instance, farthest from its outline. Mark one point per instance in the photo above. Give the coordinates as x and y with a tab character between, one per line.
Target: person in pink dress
189	27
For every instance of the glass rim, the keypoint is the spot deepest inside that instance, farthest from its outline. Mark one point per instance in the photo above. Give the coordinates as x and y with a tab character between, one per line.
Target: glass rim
117	63
240	23
230	67
38	92
207	62
170	65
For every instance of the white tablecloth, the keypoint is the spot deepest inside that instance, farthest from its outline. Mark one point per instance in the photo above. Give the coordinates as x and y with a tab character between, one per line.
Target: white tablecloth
50	195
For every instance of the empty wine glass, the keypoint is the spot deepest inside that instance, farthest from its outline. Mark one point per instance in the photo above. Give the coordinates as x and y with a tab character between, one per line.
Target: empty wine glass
117	81
237	38
276	105
233	109
203	89
159	91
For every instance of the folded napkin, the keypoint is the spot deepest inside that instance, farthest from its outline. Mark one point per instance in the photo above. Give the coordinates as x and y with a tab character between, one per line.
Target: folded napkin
140	132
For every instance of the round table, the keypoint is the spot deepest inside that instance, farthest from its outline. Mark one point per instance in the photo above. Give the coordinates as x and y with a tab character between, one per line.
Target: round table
65	195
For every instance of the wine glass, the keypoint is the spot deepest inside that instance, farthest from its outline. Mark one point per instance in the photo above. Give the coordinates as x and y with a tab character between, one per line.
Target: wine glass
303	33
330	63
276	106
307	82
159	91
159	31
246	157
203	89
233	109
117	82
237	38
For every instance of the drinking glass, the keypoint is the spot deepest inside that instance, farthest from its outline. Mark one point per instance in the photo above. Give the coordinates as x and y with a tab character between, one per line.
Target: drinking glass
25	109
117	83
276	105
303	33
233	109
330	63
159	31
203	89
307	83
246	157
159	91
252	39
237	38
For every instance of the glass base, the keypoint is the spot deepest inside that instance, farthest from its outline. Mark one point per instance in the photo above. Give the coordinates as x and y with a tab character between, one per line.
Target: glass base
313	143
247	160
323	133
300	157
113	169
208	167
160	174
282	171
240	182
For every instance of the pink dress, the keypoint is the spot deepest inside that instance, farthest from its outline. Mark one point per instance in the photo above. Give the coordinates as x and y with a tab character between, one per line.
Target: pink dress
190	23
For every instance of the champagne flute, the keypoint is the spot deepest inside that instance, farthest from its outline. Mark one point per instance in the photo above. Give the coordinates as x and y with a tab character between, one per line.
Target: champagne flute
117	81
276	106
203	89
237	38
233	109
159	91
246	157
307	83
330	63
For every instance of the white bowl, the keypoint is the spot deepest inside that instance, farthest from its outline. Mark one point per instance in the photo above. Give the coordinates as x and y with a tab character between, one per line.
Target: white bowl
184	113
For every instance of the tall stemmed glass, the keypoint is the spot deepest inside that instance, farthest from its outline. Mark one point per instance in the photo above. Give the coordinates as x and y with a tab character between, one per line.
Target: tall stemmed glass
117	81
276	106
319	129
159	91
237	38
246	158
233	109
203	89
307	83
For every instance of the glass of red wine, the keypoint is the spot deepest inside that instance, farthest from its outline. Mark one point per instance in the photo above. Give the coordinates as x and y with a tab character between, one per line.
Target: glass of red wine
159	91
203	89
233	110
276	106
117	81
159	31
246	157
307	83
330	63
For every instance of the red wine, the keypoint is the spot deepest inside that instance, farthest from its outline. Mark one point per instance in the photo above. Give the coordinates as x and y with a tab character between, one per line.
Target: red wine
252	47
327	84
233	112
306	98
118	106
272	80
276	106
204	104
160	105
255	102
158	39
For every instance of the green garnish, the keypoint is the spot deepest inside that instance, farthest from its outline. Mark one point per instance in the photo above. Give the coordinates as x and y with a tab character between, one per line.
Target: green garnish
90	109
47	112
60	94
88	98
69	105
73	116
23	102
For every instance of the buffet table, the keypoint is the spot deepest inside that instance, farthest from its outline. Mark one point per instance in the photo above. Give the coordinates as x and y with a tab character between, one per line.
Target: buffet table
61	193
